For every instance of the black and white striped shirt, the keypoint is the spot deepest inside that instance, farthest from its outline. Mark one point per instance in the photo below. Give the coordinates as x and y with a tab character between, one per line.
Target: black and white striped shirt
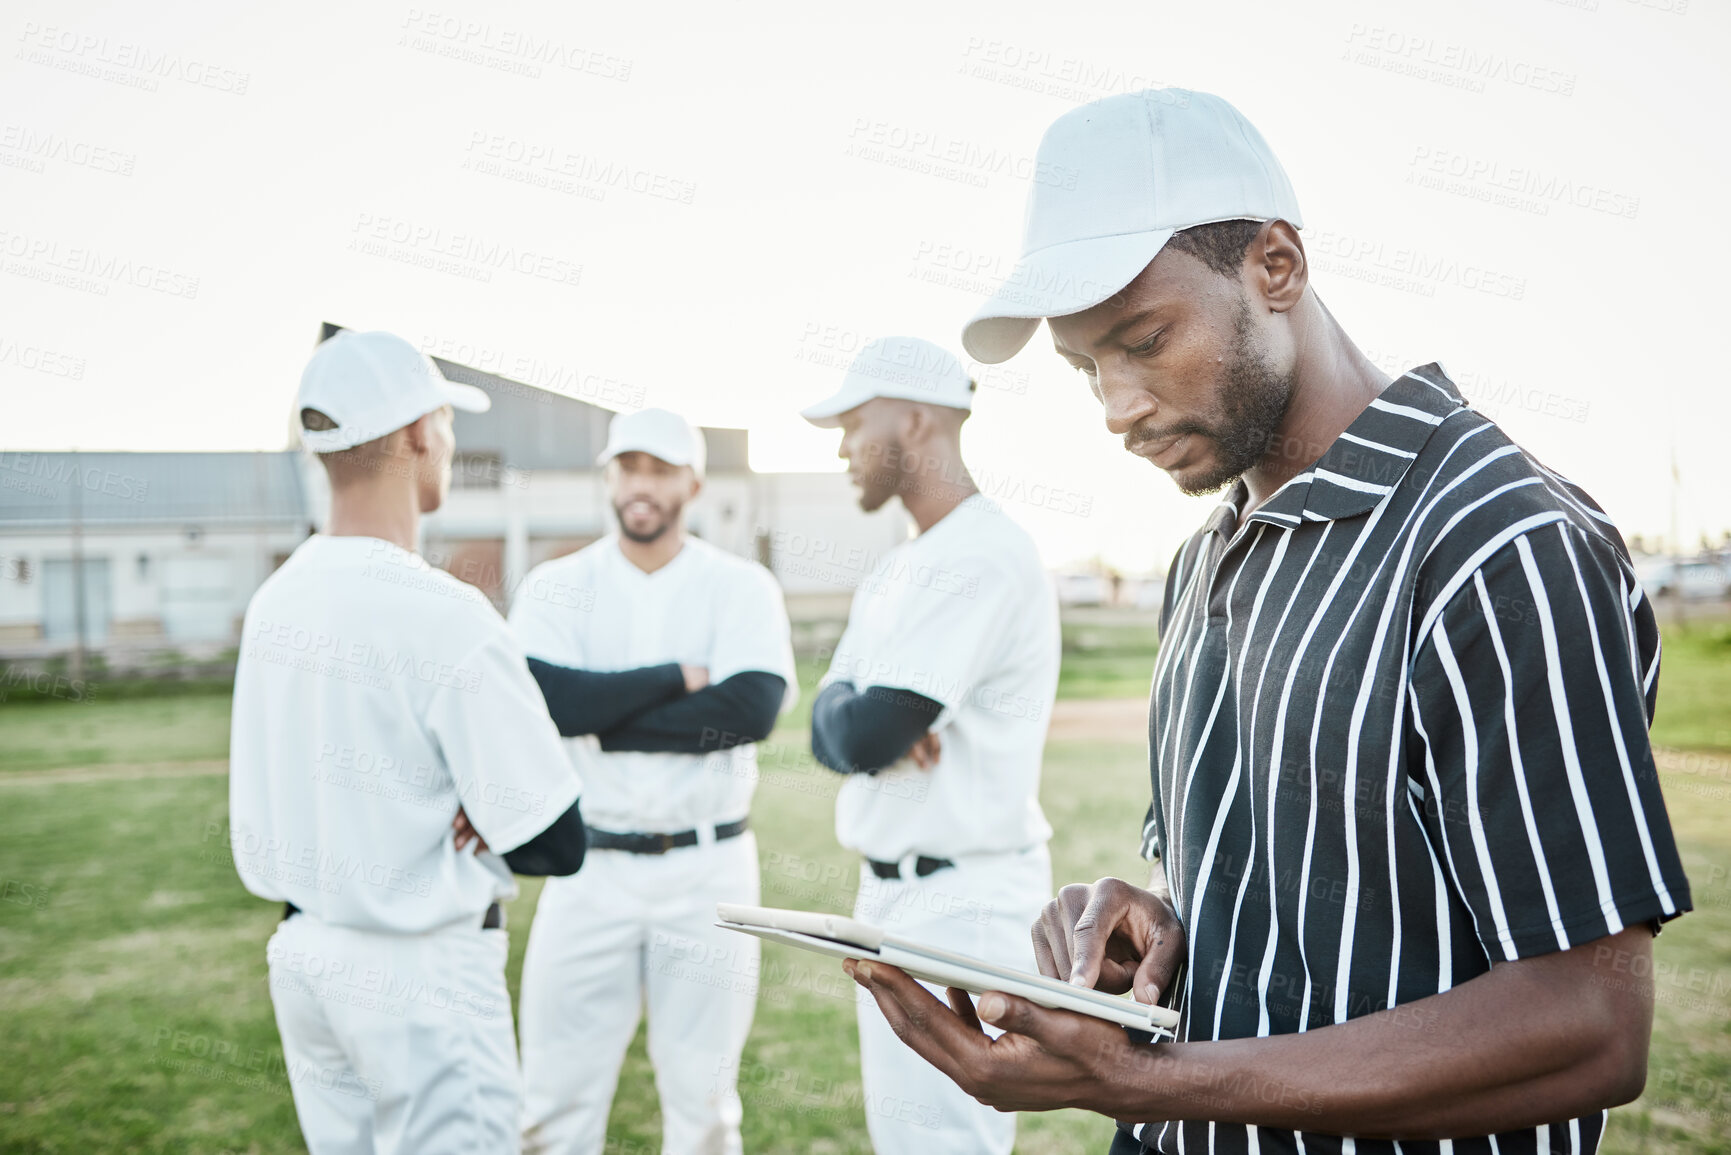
1399	732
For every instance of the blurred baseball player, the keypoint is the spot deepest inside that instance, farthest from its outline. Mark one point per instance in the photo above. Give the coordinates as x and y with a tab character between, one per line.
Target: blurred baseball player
663	659
936	704
376	702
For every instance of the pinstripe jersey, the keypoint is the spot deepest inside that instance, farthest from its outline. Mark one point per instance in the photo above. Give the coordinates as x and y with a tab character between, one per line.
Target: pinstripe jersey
1398	732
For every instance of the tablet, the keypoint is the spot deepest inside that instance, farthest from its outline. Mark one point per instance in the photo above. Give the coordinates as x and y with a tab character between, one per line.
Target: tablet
840	937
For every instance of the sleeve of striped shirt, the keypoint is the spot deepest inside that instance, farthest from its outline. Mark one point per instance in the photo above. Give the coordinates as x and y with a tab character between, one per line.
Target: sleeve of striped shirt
1151	846
1531	693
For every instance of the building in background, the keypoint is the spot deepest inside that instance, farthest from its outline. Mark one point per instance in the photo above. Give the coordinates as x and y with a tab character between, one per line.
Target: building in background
172	545
140	554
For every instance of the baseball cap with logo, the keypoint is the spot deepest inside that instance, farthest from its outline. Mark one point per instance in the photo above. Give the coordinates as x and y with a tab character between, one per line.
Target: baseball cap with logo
904	367
659	433
372	384
1147	164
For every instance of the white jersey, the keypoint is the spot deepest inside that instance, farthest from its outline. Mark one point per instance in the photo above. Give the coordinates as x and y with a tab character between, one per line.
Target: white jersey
595	610
375	694
966	615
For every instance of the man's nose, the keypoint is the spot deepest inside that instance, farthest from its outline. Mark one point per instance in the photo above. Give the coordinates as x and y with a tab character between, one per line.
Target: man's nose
1126	402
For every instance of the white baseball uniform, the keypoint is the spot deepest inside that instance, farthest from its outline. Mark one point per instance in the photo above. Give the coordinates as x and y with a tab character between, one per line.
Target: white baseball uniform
373	695
629	927
966	615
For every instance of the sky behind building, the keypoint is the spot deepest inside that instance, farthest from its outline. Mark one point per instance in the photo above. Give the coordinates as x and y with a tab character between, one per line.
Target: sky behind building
709	208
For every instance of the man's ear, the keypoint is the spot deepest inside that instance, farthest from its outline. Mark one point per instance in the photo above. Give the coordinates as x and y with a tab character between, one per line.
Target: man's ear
1277	266
917	425
696	485
417	435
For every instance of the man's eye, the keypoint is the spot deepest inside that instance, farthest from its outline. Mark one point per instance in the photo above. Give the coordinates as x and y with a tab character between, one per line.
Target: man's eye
1148	346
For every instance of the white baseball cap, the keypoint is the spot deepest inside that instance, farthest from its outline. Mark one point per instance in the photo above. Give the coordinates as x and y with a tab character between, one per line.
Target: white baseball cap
904	367
372	384
659	433
1146	165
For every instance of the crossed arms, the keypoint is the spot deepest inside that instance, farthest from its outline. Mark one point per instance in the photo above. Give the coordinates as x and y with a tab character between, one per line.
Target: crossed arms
557	851
664	709
661	709
863	731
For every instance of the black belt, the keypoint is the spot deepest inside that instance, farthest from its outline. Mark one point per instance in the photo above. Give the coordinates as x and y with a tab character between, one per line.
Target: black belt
922	867
658	843
494	919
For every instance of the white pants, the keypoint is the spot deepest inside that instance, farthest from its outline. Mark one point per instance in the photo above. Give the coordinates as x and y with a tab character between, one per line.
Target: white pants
396	1043
982	906
625	930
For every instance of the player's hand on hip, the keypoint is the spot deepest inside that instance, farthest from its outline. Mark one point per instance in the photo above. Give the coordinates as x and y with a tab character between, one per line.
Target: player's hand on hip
696	677
1110	936
926	750
466	833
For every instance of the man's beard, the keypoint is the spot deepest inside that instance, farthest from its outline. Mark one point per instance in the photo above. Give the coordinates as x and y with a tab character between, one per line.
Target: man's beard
883	479
1252	406
668	518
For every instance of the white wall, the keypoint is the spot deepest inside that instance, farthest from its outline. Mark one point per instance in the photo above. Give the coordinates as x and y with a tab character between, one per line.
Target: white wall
195	581
821	542
813	519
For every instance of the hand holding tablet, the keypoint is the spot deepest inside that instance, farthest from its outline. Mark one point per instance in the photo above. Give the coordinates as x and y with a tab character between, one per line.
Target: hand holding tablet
842	938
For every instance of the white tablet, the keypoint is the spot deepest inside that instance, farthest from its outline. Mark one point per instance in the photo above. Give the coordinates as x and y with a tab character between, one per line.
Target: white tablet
841	937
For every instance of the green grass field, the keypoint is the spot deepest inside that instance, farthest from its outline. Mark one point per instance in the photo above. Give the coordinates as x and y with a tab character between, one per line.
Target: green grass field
132	975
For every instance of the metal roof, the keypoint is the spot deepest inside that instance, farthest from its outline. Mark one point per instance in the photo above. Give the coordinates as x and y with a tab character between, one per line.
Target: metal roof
533	428
527	428
45	490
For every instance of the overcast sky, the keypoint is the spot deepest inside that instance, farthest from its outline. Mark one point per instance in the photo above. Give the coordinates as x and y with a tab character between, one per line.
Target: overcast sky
708	206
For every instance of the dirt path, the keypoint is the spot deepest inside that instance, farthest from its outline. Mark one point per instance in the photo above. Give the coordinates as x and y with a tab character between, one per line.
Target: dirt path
1100	720
113	772
1092	720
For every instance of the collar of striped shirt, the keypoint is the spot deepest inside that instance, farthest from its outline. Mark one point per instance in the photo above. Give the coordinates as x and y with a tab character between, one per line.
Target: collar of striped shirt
1364	464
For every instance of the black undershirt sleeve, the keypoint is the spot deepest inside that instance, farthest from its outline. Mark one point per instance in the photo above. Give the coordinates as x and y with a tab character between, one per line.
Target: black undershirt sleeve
731	712
861	732
591	702
557	850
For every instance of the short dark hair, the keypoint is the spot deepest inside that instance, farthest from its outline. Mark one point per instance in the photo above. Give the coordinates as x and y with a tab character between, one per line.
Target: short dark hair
1221	245
343	464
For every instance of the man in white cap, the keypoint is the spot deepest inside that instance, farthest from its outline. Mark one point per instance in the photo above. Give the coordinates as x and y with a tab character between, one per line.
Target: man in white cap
378	701
936	706
1409	837
663	660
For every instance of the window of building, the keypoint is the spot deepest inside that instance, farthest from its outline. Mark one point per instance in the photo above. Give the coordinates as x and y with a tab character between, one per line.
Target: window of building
476	471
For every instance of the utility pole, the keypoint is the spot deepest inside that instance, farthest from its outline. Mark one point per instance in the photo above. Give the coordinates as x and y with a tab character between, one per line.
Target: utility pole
1676	540
78	617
